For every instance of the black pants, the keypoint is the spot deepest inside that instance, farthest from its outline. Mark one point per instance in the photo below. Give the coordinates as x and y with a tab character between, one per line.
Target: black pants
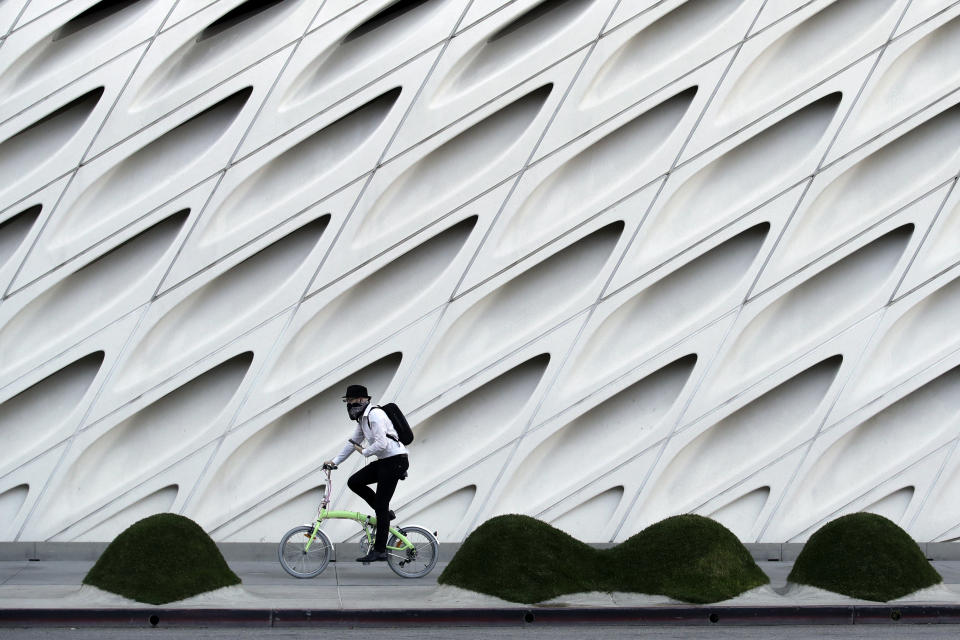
386	473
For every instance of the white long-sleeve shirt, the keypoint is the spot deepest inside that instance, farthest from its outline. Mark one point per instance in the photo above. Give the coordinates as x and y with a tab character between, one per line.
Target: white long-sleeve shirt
372	430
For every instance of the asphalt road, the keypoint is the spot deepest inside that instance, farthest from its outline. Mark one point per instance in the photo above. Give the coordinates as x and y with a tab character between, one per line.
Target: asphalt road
499	633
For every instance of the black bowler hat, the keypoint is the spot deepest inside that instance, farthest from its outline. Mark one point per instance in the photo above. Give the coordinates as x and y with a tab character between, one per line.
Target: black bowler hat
356	391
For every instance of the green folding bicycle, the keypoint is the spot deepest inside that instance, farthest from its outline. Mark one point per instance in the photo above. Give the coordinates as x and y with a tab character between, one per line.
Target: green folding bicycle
305	551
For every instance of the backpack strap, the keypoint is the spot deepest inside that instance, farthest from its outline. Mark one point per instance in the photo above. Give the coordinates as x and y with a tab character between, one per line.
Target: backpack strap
387	433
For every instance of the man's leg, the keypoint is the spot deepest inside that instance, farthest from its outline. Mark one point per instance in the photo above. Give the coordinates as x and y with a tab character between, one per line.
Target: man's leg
366	475
387	477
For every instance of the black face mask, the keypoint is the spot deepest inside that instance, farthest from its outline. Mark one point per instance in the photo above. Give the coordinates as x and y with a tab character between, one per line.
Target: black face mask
355	409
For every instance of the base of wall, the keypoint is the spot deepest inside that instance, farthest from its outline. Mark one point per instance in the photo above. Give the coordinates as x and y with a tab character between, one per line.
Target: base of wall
267	551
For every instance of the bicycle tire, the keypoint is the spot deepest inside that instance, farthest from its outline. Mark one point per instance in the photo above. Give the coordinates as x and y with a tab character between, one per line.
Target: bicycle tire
416	562
296	559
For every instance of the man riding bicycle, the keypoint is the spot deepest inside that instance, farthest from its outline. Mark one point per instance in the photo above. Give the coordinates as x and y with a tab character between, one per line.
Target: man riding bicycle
375	430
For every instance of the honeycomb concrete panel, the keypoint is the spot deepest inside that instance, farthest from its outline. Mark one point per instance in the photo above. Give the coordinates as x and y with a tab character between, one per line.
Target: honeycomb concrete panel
616	261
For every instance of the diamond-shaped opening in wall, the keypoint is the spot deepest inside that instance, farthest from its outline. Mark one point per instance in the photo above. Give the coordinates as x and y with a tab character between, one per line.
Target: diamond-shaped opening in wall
578	187
529	303
667	309
95	17
919	73
915	162
451	166
147	441
481	417
629	417
801	53
161	162
238	17
735	445
740	515
810	311
213	310
30	420
919	336
264	528
334	331
893	505
400	10
770	161
238	28
941	249
882	445
365	43
14	229
277	451
306	166
940	519
11	501
657	45
449	511
83	301
25	152
588	520
80	36
160	501
510	44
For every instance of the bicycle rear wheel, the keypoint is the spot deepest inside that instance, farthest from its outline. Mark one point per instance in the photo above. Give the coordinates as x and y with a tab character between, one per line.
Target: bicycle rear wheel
299	561
418	561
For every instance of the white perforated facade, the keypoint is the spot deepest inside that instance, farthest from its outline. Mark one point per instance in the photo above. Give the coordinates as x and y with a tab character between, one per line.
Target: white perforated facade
617	260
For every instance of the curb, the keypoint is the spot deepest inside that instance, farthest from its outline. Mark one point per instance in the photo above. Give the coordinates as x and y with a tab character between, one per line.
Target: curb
267	551
659	616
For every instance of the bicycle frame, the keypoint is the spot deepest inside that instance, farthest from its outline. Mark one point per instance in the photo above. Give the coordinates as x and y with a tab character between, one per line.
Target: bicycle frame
365	520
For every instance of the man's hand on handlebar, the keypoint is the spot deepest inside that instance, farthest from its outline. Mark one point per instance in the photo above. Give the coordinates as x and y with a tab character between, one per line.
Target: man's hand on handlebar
329	466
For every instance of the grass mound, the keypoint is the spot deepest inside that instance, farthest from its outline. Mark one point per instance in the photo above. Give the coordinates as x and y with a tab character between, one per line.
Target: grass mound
160	559
686	557
521	559
864	556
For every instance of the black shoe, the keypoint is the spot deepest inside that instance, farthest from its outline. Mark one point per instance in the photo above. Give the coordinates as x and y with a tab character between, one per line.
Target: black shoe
373	556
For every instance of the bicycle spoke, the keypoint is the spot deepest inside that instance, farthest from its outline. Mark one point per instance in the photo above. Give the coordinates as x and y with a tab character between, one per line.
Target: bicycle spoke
416	560
299	560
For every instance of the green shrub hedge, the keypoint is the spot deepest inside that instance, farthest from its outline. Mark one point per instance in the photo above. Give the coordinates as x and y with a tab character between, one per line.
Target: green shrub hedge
686	557
521	559
161	559
864	556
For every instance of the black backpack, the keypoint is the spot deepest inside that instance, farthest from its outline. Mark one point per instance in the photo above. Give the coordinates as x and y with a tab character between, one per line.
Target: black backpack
400	424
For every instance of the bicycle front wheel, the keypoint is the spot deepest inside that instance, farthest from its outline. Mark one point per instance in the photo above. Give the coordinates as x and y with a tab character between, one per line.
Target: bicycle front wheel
417	561
300	561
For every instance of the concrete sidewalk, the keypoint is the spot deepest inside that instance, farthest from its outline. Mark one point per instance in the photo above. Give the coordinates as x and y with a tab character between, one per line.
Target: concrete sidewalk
348	593
343	585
